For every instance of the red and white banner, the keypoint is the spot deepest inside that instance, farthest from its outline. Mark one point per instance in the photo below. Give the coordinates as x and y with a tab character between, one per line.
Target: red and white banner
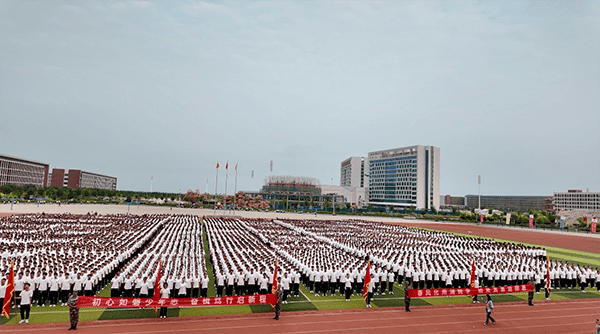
594	224
176	302
530	220
424	293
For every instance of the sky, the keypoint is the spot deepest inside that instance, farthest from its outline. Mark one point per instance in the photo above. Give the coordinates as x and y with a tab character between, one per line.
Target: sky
507	90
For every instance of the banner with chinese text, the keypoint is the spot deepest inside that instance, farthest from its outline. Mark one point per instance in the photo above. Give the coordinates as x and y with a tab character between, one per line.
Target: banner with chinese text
424	293
175	302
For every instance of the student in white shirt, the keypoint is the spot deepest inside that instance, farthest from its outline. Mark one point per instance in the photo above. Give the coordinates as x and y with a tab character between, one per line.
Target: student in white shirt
25	305
203	292
2	292
65	287
53	295
164	293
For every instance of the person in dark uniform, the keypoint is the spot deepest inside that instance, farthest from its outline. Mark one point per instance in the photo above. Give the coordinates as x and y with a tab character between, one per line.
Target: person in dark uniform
279	293
406	299
530	295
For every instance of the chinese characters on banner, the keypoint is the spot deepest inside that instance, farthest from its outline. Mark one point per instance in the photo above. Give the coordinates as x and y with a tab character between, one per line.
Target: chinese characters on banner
175	302
424	293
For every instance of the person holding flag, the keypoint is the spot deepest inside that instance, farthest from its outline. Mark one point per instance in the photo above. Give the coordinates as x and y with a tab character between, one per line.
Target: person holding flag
472	282
73	311
548	277
9	291
279	293
367	286
157	291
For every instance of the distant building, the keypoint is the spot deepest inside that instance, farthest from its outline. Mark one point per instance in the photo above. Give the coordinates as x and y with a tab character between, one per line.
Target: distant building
302	193
352	172
22	172
576	200
449	201
406	176
509	203
356	196
75	178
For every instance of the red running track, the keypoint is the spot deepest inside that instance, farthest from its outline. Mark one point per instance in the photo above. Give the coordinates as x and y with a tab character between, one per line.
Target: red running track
581	243
567	316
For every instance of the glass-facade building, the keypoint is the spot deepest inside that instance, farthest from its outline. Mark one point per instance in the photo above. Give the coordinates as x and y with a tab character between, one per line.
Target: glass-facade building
405	177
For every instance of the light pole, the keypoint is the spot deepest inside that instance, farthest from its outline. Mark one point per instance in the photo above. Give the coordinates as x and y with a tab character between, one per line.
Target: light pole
479	193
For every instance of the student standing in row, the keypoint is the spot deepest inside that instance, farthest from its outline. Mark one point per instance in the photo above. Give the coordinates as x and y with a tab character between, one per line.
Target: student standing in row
164	293
25	304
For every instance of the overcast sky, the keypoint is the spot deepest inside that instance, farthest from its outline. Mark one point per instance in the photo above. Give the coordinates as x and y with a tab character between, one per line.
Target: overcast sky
508	90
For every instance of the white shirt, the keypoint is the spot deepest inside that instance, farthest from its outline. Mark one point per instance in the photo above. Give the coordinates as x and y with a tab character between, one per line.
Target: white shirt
26	297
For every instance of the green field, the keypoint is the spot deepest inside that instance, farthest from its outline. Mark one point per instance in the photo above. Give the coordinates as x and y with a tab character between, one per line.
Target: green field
308	301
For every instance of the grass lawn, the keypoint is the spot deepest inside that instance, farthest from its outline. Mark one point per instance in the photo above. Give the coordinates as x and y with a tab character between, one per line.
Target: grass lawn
307	300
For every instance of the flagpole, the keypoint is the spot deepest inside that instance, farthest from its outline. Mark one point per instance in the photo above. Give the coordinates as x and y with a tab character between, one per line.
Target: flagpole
235	189
225	197
216	183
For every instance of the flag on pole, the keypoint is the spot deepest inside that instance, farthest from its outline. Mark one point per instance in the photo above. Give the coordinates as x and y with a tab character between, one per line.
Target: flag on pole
218	165
236	167
157	284
473	279
10	290
274	288
227	165
367	280
547	273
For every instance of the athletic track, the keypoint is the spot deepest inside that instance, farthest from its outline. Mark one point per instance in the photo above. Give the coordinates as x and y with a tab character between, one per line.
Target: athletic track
587	243
568	316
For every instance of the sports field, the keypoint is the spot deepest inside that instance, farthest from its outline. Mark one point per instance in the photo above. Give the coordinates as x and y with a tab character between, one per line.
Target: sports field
333	305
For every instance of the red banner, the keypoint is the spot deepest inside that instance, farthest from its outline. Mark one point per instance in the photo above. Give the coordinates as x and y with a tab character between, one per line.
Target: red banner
175	302
424	293
594	224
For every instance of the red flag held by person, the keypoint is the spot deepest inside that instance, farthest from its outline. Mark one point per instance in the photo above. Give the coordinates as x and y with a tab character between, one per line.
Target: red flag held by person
274	288
10	289
473	276
547	273
157	282
367	280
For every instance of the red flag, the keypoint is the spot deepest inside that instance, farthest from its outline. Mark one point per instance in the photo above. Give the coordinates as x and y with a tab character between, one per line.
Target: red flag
218	165
10	289
274	279
227	165
473	276
367	280
157	282
235	166
547	273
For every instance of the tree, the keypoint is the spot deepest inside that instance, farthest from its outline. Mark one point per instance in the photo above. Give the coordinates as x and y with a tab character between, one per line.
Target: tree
327	204
541	219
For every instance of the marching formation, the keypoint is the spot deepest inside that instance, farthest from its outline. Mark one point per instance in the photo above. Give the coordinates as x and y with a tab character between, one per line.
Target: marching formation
57	255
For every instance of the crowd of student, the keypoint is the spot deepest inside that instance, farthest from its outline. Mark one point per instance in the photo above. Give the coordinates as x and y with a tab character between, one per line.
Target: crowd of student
59	254
329	257
179	250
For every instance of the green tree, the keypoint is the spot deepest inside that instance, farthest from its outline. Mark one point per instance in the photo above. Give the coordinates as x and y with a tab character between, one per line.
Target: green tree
327	204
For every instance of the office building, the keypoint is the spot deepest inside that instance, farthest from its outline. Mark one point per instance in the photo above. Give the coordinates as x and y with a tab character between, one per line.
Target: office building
510	203
352	172
405	177
22	172
576	200
75	178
